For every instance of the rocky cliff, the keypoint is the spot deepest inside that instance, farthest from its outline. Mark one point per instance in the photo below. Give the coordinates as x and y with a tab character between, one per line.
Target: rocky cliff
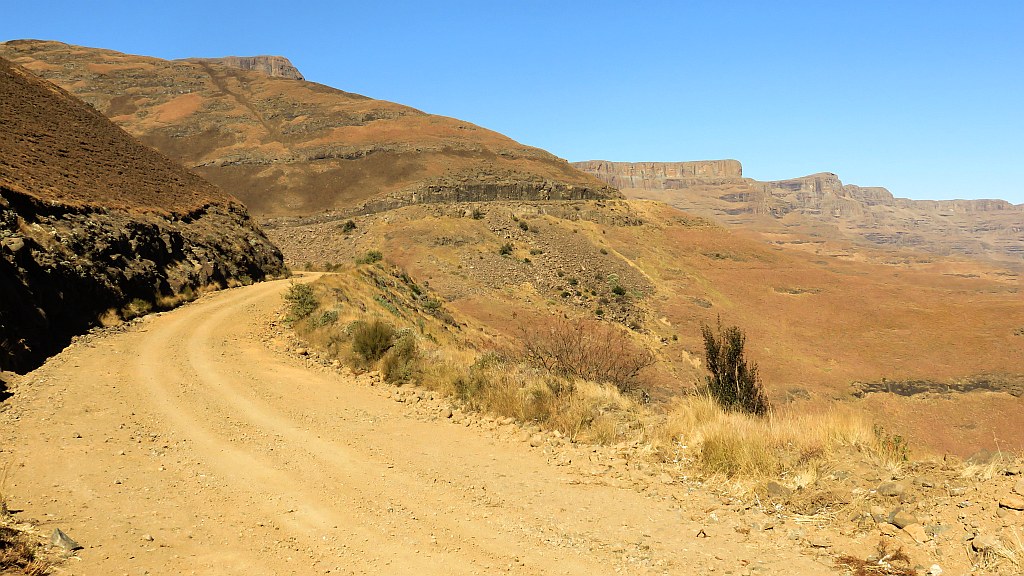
92	222
275	66
717	188
288	148
662	175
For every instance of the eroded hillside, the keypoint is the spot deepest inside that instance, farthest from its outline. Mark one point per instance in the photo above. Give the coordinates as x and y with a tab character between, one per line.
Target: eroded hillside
815	209
92	221
289	147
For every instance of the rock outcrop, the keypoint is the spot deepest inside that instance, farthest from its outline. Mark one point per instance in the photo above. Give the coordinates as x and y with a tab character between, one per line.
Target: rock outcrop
297	149
662	175
275	66
717	189
91	221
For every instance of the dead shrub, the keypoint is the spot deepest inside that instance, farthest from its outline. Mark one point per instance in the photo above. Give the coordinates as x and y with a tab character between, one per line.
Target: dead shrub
588	350
18	555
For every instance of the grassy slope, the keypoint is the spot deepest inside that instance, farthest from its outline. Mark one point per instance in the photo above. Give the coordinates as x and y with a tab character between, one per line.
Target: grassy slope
814	324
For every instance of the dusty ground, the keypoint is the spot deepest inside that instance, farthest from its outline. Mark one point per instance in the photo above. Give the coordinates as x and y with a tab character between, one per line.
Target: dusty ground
186	444
199	442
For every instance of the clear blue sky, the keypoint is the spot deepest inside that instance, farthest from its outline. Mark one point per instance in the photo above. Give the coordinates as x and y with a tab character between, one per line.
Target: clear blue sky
923	97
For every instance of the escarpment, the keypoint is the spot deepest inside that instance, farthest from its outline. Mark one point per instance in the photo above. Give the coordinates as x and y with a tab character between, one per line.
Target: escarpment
275	66
94	223
823	203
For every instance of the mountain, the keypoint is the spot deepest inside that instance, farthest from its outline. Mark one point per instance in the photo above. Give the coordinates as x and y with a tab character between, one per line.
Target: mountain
287	147
820	207
92	221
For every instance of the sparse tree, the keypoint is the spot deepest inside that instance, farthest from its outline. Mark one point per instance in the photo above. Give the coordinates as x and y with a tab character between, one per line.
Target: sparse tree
732	383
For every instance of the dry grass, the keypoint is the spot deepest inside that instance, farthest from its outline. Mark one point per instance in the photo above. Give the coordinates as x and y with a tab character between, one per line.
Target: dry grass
884	563
693	431
1009	550
734	444
18	554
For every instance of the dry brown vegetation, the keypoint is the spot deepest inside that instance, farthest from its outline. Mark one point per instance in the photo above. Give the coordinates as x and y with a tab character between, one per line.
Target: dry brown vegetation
377	317
815	325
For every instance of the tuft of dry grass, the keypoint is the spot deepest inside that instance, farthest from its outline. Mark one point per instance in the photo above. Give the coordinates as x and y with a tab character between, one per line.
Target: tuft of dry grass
735	444
884	563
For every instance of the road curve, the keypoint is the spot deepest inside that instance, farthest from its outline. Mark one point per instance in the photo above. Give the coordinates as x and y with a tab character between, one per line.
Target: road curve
187	444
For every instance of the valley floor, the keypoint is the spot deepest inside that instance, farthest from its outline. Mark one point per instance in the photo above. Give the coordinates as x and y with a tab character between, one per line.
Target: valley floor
191	442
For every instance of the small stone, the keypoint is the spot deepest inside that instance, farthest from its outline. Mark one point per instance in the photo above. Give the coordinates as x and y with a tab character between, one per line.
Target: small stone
1018	488
1013	471
1012	502
935	570
776	490
878	514
147	537
983	542
302	351
917	532
894	489
902	519
62	540
819	542
666	478
888	529
536	440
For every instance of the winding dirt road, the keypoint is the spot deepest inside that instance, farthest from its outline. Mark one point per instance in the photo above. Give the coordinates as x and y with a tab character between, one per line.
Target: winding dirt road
187	444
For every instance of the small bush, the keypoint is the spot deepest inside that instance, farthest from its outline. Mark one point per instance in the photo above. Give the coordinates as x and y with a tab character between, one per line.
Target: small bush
135	308
301	301
618	290
589	350
524	226
506	249
732	383
477	214
370	257
327	318
370	340
401	361
348	226
604	251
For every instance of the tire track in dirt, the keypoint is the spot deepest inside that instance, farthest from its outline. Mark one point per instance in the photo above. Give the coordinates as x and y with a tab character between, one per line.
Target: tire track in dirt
240	459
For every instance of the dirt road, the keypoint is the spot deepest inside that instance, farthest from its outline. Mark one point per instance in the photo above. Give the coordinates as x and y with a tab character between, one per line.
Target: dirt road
186	444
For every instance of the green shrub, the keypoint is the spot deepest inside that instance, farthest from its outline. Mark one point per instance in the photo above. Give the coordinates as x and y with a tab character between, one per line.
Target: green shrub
370	257
505	249
732	383
301	301
348	226
327	318
135	308
524	226
370	340
401	361
618	290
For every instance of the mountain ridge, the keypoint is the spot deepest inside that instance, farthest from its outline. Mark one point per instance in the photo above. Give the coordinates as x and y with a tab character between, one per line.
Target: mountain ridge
822	206
295	148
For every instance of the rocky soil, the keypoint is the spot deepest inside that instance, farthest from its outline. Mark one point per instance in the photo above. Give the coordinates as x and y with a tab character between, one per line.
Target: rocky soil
214	441
91	220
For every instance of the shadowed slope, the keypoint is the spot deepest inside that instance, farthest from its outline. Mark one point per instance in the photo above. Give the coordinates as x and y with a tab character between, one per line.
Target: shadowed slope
92	220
